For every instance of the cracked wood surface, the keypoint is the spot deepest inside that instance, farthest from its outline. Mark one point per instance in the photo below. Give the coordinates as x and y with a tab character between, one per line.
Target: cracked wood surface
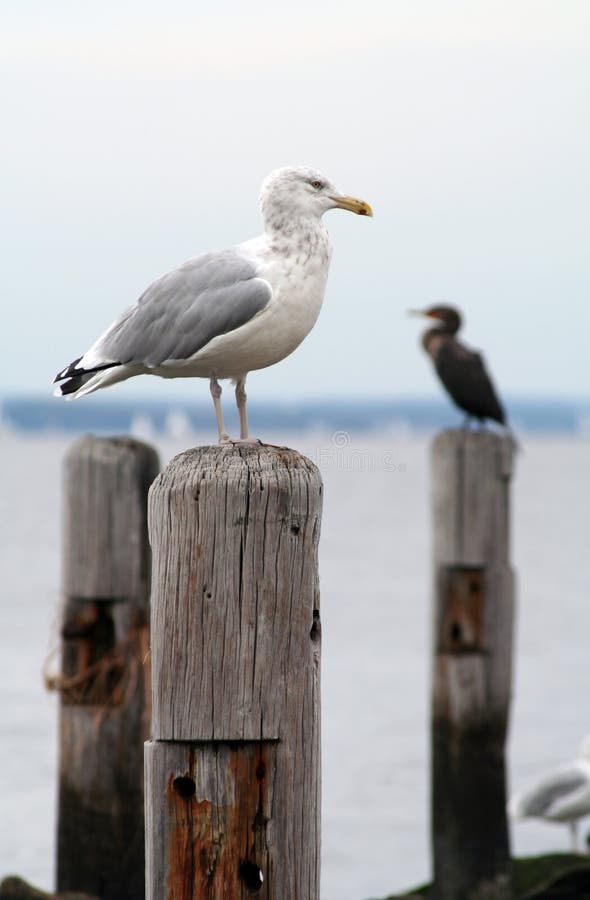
104	704
473	620
233	770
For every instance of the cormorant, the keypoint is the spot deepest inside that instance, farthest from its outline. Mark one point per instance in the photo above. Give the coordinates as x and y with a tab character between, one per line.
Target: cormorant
461	370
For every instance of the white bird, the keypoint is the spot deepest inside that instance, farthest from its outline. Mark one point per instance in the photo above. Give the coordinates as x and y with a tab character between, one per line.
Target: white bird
562	795
224	314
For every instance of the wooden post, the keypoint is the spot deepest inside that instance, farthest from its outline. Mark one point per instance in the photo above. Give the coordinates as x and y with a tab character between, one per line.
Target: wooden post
233	769
104	710
473	625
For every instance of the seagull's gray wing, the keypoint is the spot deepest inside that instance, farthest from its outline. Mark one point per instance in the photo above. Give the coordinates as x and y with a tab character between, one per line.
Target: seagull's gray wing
185	309
544	799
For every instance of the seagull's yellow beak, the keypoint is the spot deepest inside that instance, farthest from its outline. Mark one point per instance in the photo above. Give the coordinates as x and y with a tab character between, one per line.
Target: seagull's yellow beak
353	204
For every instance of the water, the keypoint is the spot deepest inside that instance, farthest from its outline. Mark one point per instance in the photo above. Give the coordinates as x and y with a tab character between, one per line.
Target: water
375	578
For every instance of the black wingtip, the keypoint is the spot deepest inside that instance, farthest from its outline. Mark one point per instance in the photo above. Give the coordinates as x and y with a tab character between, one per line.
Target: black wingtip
72	385
68	371
73	372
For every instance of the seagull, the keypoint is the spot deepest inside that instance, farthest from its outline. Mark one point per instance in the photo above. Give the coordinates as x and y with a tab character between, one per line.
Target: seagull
227	313
461	370
562	795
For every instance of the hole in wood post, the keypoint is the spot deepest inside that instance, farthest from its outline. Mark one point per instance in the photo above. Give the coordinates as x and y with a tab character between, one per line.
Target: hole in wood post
461	591
185	787
316	627
251	876
456	631
294	528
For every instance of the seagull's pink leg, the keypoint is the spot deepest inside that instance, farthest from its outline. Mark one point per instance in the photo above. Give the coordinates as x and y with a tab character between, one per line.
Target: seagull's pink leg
215	389
241	403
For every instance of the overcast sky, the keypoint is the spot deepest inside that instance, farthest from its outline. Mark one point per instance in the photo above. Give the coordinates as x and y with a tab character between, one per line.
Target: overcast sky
136	135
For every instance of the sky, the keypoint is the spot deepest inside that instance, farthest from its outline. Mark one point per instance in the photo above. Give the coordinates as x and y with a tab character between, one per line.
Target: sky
136	135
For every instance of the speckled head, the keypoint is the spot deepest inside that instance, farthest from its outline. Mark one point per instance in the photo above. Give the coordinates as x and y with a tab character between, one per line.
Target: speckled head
303	193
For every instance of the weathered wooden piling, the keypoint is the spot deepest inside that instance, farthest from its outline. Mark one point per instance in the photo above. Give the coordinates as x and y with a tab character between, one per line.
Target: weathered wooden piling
233	768
473	626
104	692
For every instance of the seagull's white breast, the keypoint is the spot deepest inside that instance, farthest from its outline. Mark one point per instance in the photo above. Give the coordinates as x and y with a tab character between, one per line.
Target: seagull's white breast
297	273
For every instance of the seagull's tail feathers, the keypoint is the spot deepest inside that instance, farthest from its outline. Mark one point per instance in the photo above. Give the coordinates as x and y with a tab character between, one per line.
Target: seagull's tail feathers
76	381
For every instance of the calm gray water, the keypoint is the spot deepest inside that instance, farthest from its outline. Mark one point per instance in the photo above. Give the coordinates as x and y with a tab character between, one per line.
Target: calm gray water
375	575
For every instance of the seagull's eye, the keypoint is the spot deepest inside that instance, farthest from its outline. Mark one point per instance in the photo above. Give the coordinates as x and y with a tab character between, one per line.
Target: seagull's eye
317	185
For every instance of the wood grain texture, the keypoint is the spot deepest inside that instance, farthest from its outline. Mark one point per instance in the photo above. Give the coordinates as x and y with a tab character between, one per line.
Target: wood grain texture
470	492
235	673
104	709
210	834
234	533
473	617
105	546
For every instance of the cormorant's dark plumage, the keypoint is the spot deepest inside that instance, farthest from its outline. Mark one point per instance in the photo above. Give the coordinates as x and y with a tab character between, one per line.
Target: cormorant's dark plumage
462	371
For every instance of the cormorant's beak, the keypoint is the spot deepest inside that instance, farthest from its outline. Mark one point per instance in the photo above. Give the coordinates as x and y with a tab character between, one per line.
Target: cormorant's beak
423	312
353	204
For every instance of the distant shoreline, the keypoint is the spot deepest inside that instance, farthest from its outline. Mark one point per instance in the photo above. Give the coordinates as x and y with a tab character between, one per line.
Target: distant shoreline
527	415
